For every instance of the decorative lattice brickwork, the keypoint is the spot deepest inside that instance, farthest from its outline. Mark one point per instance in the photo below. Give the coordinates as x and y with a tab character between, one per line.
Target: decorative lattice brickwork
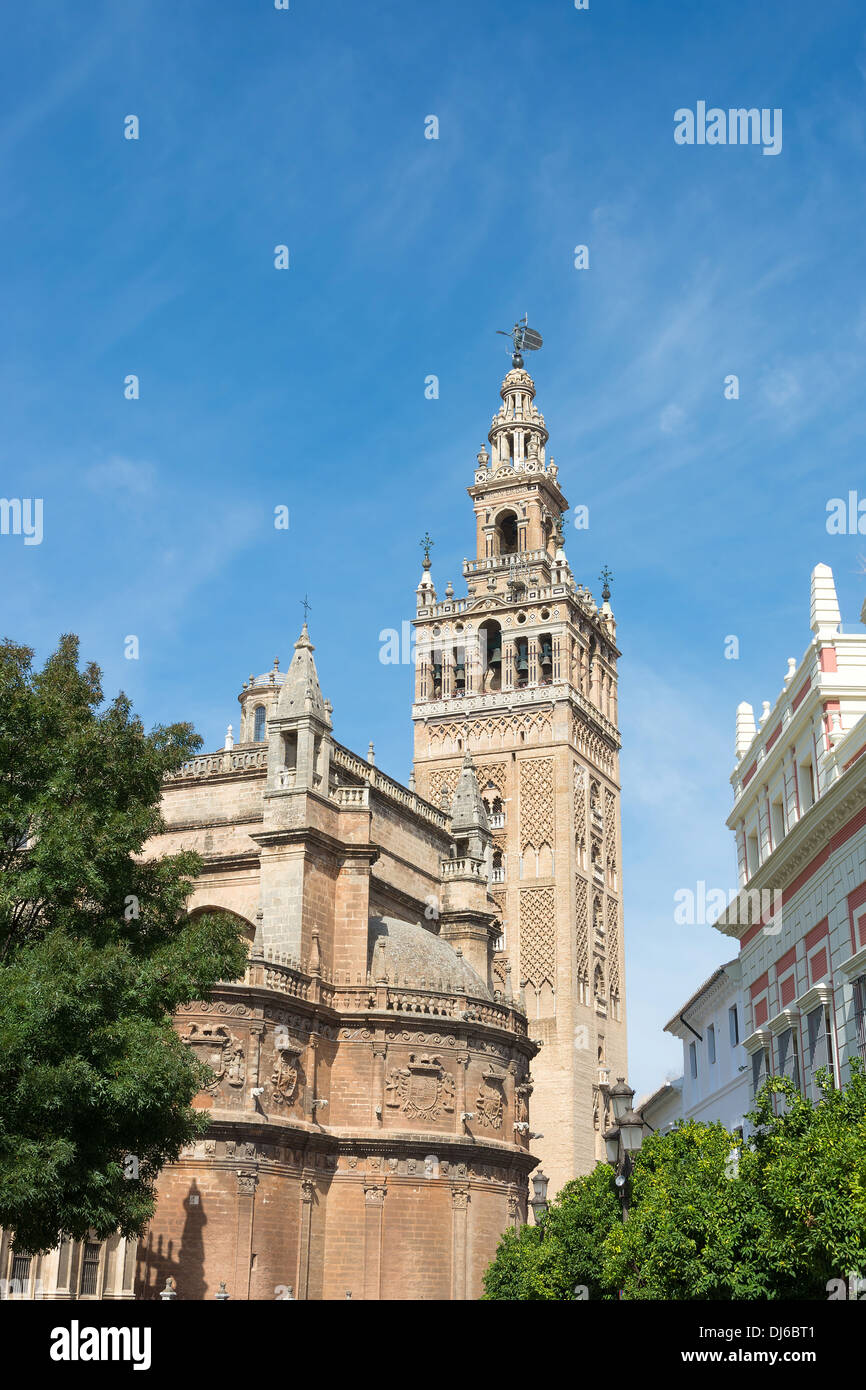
613	944
581	929
591	746
442	785
537	937
536	802
497	731
609	827
580	785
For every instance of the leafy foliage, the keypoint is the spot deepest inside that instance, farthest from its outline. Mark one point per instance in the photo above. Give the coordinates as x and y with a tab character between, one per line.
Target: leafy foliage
712	1216
96	950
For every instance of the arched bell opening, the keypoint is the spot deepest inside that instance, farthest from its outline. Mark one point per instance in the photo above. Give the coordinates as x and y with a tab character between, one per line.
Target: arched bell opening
490	652
545	658
506	533
521	663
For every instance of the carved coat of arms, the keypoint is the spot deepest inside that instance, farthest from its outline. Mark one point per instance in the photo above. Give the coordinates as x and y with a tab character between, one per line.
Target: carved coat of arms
209	1043
423	1090
491	1101
284	1077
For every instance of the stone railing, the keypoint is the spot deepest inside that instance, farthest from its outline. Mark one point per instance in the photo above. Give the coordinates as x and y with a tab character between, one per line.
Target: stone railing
429	1002
356	798
278	971
460	868
228	760
500	562
286	975
386	786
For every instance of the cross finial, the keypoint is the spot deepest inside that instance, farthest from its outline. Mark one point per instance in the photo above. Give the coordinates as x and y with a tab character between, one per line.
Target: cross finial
306	605
605	578
426	544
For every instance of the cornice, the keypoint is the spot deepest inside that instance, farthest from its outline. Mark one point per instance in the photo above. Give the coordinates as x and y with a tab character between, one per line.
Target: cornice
811	834
855	965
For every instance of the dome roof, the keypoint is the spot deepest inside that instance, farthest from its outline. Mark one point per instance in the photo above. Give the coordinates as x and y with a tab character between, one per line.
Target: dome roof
415	956
270	678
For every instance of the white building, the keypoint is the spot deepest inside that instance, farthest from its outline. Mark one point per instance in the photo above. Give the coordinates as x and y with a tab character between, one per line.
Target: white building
664	1107
799	820
715	1084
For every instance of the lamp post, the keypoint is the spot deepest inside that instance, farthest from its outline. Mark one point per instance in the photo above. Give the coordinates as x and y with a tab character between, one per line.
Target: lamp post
538	1200
623	1139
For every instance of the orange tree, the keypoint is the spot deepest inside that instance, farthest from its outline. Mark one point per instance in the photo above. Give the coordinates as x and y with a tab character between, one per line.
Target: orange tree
712	1216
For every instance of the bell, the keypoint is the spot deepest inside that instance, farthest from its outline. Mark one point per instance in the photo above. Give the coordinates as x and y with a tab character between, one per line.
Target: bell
496	653
547	655
522	665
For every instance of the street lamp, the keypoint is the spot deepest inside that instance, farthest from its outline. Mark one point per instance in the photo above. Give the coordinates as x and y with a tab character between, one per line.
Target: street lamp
621	1097
623	1139
538	1200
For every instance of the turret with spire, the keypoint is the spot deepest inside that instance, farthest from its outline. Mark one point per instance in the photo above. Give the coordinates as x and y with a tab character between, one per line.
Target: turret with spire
469	917
299	728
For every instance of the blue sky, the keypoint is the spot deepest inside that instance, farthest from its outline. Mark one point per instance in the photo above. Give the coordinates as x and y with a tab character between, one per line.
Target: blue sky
306	387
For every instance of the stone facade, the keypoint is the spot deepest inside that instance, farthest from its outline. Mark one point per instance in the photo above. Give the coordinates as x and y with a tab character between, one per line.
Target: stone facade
523	673
369	1130
367	1118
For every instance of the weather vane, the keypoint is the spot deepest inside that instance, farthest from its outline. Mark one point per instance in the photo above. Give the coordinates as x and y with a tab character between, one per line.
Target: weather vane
524	339
426	544
306	605
605	578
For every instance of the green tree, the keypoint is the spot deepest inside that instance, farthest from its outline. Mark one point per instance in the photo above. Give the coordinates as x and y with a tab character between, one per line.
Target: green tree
96	951
712	1216
562	1257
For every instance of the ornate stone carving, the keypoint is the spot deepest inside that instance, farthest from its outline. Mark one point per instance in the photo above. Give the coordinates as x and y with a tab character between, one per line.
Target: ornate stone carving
210	1043
236	1066
284	1077
491	1100
423	1090
246	1182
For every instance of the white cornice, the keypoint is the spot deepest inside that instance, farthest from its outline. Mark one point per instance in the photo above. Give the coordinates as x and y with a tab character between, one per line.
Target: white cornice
757	1040
855	965
819	994
808	837
786	1019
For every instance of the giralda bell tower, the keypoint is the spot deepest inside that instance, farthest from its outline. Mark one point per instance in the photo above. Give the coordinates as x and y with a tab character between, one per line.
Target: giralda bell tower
522	674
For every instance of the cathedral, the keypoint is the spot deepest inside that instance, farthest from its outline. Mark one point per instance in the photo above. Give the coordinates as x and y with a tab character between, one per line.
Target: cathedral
432	968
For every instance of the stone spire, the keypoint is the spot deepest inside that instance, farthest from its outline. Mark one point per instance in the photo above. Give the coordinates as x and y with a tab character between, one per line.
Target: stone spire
301	693
468	813
426	592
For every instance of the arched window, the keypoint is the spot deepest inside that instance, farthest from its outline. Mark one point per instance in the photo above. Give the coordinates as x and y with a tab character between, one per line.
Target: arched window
259	724
506	533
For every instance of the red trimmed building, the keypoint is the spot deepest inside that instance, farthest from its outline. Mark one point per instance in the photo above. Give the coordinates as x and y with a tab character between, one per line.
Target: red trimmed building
799	819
